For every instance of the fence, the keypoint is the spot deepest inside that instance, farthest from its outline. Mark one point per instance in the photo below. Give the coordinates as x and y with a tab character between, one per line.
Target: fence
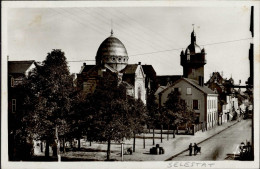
201	126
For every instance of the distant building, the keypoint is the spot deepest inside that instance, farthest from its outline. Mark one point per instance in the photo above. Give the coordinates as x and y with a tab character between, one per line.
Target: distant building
112	57
229	99
166	80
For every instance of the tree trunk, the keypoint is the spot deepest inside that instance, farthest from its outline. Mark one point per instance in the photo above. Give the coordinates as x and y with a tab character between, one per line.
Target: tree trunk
41	147
168	133
173	133
161	132
63	145
57	143
134	144
54	149
108	149
79	143
153	136
144	139
47	149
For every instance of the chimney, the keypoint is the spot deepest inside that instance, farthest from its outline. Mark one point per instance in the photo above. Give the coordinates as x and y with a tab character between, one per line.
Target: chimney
139	63
201	81
84	64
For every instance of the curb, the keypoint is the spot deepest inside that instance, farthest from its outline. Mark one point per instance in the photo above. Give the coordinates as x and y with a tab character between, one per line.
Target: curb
172	157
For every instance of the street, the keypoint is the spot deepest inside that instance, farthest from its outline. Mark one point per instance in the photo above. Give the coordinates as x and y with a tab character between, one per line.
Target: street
222	146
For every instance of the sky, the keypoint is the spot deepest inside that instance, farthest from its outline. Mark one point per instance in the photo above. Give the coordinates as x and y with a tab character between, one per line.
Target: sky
151	35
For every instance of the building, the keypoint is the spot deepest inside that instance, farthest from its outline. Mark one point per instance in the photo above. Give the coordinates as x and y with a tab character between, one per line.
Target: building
112	57
193	61
199	98
17	72
191	85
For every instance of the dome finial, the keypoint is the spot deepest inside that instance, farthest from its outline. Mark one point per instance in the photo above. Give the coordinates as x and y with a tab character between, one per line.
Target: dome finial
193	26
112	32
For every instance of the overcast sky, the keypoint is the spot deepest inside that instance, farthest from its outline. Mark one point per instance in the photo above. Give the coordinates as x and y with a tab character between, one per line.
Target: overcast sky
151	35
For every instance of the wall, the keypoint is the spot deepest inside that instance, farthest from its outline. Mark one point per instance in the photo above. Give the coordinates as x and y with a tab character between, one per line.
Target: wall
195	95
140	84
212	110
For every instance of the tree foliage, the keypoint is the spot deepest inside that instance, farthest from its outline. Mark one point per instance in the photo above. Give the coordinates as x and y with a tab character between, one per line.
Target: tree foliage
112	114
48	101
178	111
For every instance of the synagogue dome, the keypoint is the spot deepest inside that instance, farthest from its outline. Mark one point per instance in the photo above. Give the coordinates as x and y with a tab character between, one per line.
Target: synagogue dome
112	52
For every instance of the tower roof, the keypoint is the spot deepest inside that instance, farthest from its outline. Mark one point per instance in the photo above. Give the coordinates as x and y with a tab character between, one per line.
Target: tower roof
193	47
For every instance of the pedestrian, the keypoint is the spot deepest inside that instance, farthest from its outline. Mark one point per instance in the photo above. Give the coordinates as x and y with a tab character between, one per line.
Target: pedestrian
195	149
190	149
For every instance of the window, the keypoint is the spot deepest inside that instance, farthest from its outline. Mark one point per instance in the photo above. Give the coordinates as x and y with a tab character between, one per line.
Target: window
188	90
176	89
13	105
12	82
188	57
139	92
195	104
85	87
193	71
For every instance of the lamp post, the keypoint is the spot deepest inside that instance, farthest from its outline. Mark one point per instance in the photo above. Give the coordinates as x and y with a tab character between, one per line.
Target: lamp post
122	150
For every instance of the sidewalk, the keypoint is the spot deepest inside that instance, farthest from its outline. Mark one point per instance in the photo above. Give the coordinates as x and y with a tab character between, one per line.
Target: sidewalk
172	147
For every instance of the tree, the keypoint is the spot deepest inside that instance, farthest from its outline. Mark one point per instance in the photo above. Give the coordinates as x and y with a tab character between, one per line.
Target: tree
112	114
48	102
78	119
178	111
152	108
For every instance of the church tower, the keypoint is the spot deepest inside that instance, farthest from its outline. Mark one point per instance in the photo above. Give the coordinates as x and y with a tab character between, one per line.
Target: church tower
193	61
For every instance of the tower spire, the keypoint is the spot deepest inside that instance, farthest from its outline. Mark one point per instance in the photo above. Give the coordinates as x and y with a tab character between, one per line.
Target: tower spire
193	35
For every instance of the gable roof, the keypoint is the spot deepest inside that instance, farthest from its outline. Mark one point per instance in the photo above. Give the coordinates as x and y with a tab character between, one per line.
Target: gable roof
195	84
19	66
86	68
203	89
149	70
129	69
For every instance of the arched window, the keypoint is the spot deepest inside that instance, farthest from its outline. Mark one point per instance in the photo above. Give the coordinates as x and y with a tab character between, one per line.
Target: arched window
139	92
